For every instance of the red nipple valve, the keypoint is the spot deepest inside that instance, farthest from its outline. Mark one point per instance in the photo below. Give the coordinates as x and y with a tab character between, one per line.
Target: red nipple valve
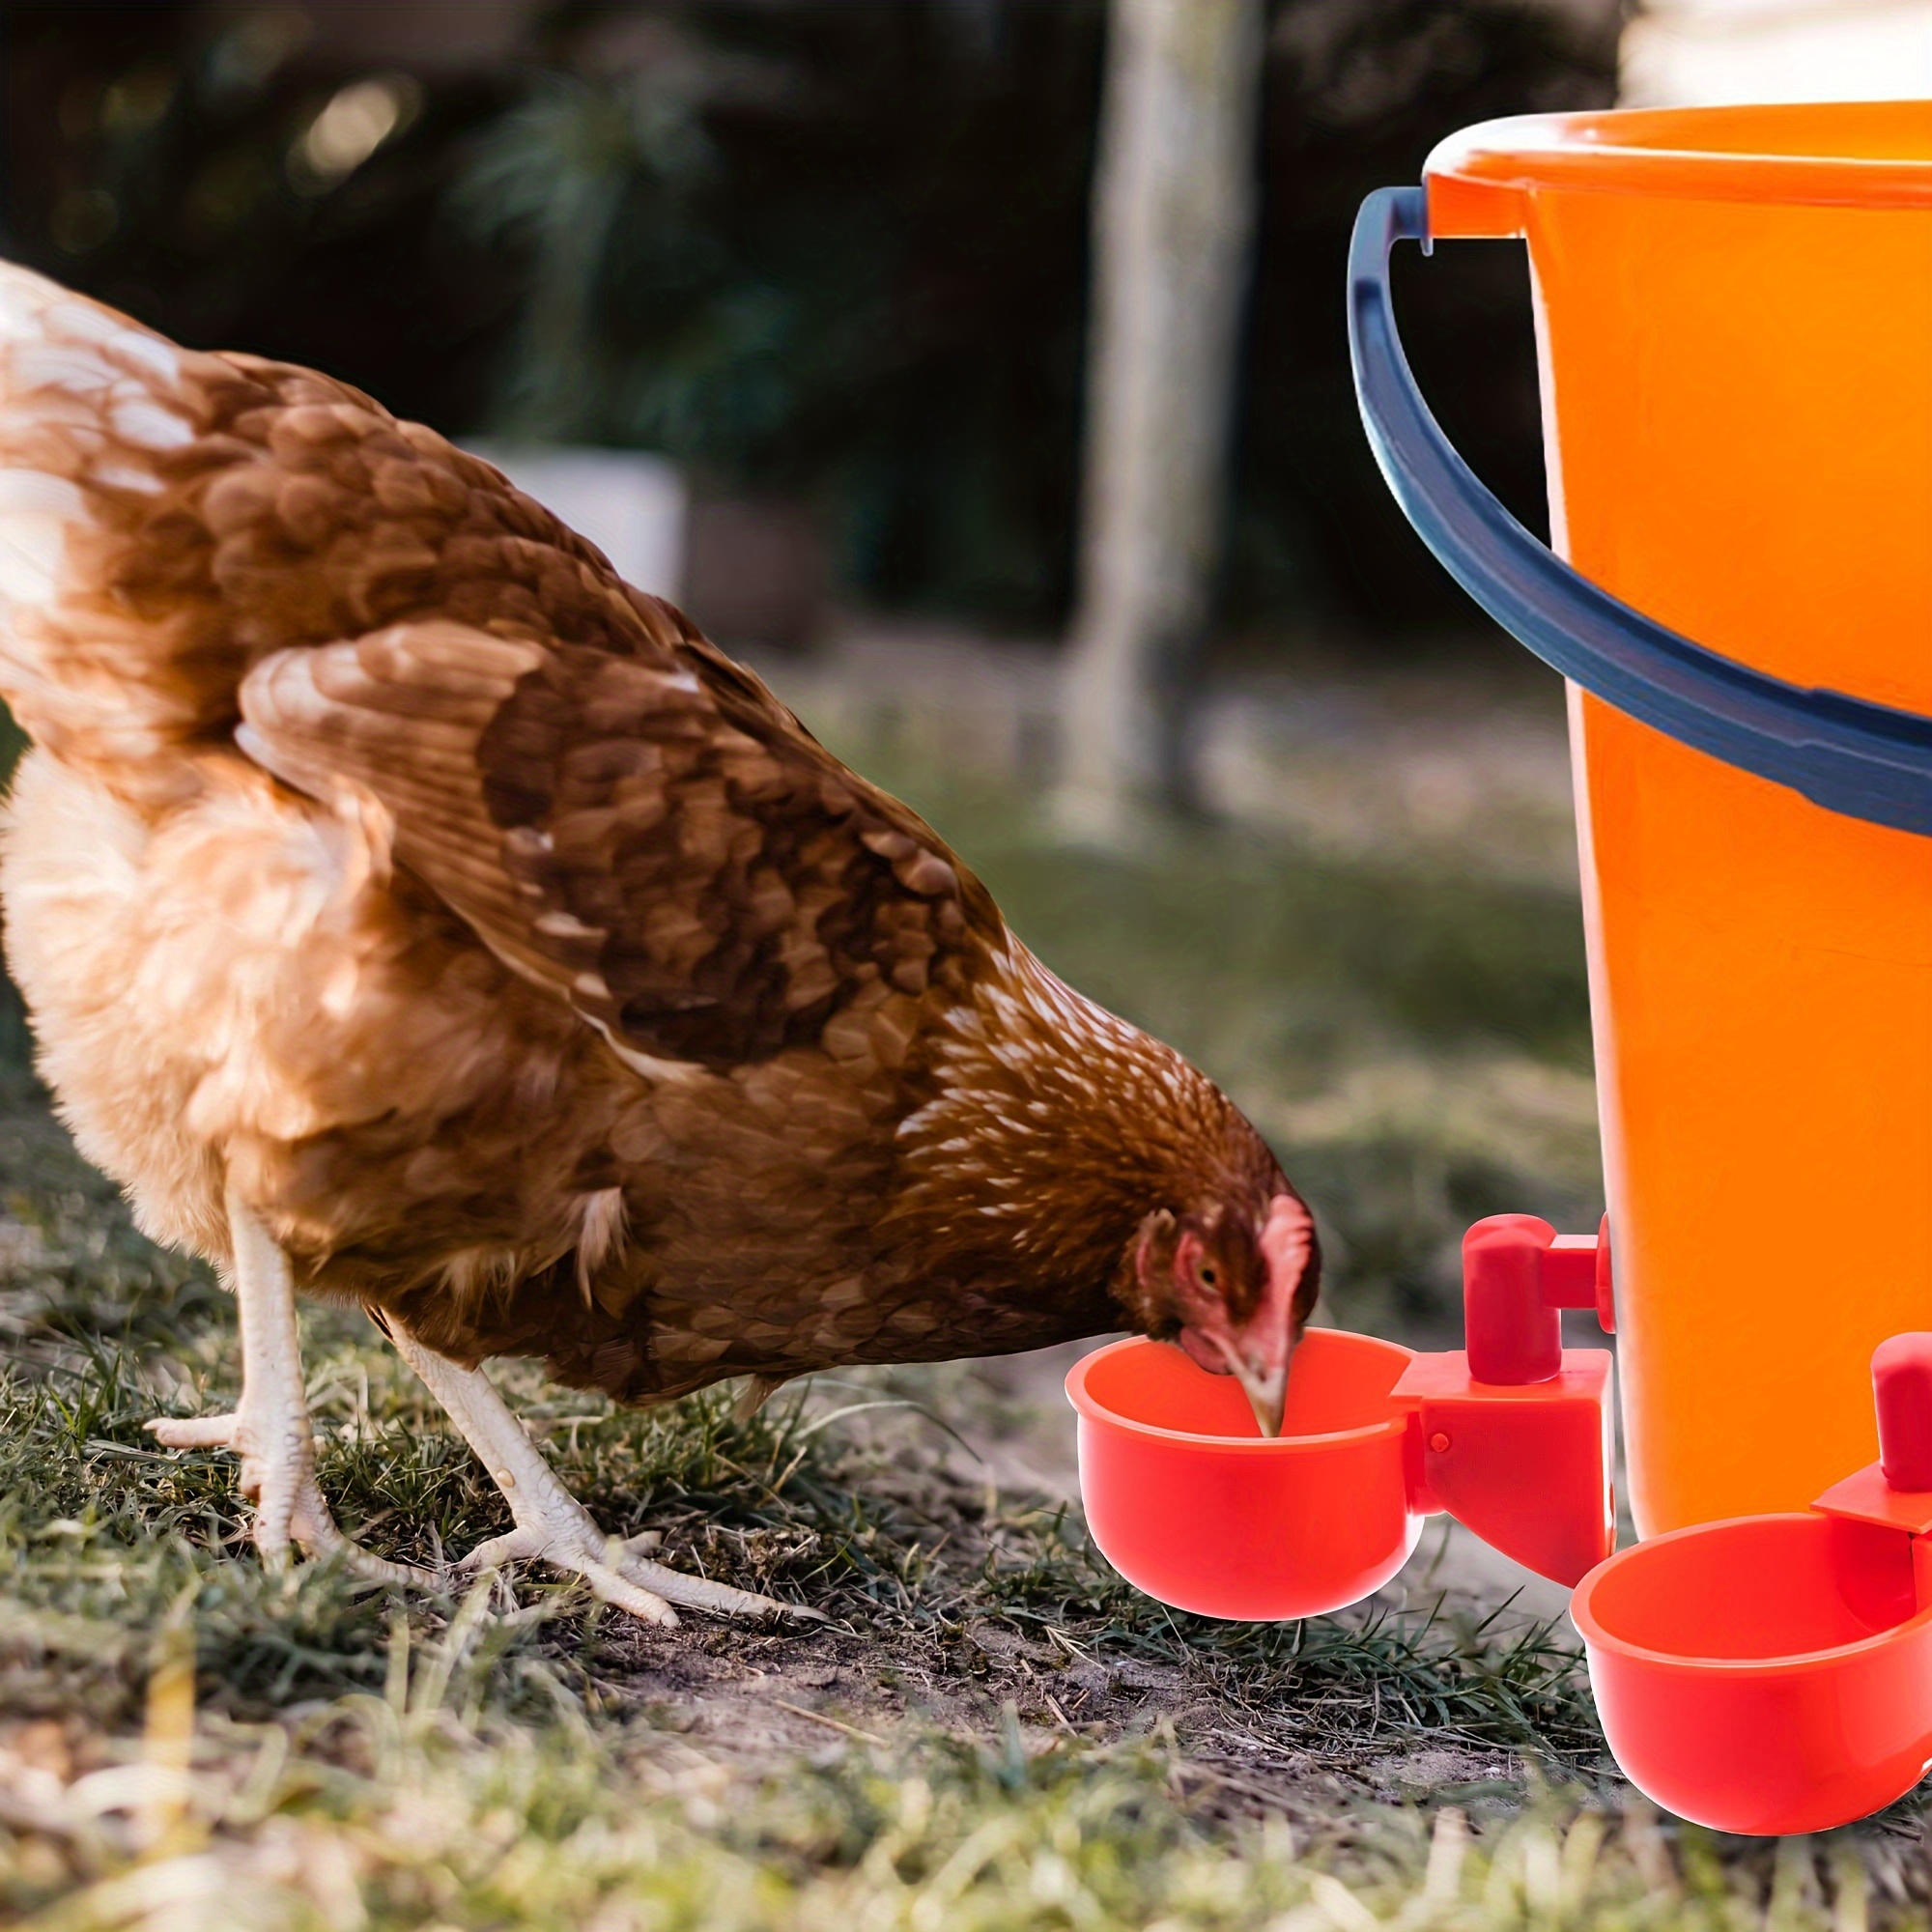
1902	1386
1519	1274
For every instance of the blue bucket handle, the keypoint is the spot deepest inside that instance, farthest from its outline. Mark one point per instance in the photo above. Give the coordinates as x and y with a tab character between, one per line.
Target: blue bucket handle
1866	760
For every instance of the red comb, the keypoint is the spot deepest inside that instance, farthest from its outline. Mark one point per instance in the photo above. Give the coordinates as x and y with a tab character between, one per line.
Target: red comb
1288	1235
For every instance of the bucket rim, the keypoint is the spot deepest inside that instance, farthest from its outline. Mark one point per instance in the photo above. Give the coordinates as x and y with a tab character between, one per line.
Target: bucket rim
1852	153
1785	1664
1090	1409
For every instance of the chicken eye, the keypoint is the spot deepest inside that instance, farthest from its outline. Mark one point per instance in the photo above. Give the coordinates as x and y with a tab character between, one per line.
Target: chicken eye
1210	1275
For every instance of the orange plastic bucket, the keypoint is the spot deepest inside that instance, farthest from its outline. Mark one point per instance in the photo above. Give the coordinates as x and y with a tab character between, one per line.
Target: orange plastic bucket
1734	320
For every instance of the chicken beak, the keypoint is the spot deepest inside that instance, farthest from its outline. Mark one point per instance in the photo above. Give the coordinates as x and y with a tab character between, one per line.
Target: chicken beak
1267	1392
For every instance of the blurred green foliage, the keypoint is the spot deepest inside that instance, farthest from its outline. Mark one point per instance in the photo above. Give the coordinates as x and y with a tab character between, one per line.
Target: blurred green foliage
829	250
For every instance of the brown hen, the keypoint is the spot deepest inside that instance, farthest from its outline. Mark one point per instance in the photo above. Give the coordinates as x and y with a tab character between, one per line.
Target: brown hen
413	914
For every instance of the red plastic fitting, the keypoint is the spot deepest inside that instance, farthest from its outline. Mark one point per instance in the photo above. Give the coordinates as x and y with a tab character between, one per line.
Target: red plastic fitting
1902	1387
1882	1513
1470	1442
1519	1274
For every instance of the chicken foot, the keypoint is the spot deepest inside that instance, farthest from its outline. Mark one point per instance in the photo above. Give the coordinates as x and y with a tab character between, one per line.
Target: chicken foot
269	1428
551	1524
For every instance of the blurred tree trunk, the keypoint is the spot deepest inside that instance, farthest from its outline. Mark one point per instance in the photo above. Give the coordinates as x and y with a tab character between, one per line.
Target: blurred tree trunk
1174	205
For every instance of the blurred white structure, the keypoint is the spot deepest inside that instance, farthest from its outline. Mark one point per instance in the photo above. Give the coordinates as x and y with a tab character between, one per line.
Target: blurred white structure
634	507
1683	53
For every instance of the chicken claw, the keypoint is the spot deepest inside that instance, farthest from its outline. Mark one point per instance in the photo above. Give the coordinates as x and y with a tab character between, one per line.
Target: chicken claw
269	1429
288	1503
551	1526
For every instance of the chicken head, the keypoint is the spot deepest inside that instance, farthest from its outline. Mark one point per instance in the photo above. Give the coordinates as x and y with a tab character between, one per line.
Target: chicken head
1235	1289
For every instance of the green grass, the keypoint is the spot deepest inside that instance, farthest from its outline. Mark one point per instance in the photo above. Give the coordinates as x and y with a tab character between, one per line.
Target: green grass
348	1758
993	1731
423	1817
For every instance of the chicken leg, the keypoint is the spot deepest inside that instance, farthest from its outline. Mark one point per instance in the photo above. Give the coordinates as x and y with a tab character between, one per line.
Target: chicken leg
551	1524
270	1426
